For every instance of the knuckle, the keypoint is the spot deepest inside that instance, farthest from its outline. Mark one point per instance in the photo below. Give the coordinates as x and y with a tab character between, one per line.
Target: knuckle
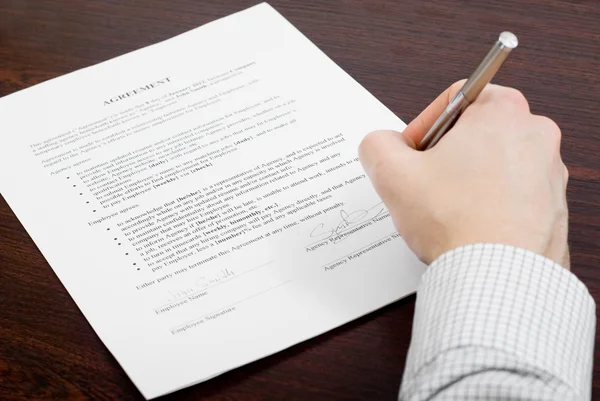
550	126
515	97
550	129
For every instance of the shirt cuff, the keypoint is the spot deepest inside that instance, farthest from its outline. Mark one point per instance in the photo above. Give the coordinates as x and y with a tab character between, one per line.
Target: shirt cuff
484	307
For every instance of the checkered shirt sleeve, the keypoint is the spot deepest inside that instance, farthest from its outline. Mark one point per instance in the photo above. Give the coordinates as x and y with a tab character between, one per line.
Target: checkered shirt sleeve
495	322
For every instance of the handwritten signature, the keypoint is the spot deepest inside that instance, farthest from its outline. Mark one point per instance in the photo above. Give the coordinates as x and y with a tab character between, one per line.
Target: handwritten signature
202	283
350	224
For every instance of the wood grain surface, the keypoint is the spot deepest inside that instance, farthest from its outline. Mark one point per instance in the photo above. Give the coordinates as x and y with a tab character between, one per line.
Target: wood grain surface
405	52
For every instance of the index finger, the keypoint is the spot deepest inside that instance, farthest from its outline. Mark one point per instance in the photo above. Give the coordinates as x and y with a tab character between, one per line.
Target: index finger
418	127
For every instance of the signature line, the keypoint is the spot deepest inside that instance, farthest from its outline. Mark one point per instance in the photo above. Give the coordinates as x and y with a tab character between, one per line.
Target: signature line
230	305
356	250
211	286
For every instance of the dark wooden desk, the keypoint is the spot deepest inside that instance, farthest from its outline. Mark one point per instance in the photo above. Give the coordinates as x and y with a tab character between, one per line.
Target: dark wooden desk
405	53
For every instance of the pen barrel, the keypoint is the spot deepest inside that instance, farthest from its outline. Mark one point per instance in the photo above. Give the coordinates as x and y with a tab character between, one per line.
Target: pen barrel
445	122
469	92
489	66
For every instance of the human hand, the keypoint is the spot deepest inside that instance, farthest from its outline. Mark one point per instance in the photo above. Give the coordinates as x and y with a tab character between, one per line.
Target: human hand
496	177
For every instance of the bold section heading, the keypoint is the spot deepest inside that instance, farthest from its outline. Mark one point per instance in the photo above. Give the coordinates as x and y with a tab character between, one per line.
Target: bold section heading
137	90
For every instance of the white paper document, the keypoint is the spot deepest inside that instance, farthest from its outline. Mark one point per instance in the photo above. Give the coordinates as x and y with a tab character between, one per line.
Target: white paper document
202	200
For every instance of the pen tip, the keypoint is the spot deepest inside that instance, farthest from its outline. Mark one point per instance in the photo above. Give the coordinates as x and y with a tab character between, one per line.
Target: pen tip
508	39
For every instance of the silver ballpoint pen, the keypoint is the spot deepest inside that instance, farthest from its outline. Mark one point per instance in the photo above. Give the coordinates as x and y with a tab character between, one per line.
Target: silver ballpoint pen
471	89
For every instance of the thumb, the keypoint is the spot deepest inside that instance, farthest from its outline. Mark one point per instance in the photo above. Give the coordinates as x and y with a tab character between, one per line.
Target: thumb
385	148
